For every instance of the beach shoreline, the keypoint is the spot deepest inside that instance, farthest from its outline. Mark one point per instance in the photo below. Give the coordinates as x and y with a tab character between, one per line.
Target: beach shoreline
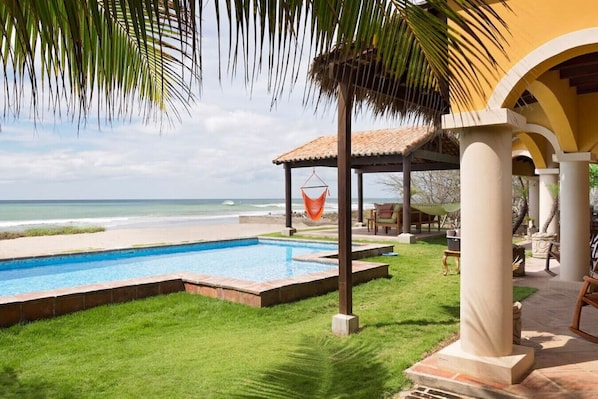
133	214
154	235
130	238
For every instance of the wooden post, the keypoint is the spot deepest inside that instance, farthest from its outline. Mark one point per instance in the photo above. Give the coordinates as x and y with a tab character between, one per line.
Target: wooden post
345	277
360	198
407	194
288	196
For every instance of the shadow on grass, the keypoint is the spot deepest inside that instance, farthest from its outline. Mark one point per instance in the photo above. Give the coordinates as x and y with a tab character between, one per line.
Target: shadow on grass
321	368
415	322
11	386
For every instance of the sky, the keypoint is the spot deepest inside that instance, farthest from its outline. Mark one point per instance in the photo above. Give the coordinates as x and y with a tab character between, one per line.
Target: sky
223	149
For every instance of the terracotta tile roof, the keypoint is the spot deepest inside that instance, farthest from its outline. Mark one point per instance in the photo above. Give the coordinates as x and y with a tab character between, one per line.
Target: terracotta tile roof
400	141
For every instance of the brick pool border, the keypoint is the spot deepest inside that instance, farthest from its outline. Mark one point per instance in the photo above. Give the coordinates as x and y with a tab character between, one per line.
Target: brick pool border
33	306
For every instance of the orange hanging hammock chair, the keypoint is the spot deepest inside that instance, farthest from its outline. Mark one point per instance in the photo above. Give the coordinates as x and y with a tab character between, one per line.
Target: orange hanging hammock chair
314	207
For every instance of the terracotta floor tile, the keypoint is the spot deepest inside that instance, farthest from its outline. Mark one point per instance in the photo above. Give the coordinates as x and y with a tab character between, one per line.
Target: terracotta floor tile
566	366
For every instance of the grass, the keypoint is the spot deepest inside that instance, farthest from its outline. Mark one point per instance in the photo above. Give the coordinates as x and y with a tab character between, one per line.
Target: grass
48	231
186	346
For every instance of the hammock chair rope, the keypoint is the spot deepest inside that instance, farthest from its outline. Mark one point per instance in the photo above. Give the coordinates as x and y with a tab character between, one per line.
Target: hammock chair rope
314	207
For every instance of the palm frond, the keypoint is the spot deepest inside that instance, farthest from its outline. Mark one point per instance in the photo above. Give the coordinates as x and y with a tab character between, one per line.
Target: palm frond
145	55
407	44
321	368
135	56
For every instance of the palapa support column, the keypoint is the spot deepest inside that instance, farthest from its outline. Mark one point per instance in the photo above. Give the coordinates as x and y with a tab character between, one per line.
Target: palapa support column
485	349
288	201
405	237
360	199
345	322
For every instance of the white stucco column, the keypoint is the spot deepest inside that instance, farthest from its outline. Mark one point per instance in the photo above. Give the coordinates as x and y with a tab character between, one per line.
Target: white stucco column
485	346
575	218
549	178
486	249
533	200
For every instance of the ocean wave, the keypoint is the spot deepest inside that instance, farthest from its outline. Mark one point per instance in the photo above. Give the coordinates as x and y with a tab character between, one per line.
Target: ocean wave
330	206
272	205
119	214
60	222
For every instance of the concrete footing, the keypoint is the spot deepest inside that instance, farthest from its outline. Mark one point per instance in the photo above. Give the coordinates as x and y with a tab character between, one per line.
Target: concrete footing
343	324
288	231
407	238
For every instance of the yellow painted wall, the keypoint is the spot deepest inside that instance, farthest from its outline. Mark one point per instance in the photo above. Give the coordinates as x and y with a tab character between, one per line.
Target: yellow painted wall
588	122
532	23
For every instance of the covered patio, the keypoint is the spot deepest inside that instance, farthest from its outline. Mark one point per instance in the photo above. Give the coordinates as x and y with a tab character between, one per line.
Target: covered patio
565	366
405	150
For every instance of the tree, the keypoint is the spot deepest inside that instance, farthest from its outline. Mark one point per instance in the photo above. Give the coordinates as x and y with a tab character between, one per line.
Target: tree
554	209
593	183
127	55
520	201
146	55
427	187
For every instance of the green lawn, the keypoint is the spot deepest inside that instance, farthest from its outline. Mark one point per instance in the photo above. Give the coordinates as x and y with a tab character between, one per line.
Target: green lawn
49	231
185	346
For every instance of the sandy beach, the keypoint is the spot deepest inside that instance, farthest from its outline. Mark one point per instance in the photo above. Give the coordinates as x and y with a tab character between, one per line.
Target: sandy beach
127	238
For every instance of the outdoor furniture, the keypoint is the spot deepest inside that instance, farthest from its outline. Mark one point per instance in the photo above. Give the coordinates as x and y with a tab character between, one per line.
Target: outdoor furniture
387	216
453	240
436	213
554	252
588	295
390	216
448	253
518	259
370	219
418	218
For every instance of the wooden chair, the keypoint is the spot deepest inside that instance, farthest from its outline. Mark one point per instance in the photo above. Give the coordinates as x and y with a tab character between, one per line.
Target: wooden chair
588	295
387	216
554	252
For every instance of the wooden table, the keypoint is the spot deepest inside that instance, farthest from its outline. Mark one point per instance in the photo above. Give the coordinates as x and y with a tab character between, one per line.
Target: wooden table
445	255
370	223
371	219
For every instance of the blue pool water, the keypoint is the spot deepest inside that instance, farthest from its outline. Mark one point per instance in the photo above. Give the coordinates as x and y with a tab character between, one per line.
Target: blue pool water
256	260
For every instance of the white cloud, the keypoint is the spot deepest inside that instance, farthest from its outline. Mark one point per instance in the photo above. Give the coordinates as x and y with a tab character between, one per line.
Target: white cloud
222	149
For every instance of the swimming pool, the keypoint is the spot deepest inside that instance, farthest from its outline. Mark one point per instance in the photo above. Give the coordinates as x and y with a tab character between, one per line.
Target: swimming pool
315	274
254	259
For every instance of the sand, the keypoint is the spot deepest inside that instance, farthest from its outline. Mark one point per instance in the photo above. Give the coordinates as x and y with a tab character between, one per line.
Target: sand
127	238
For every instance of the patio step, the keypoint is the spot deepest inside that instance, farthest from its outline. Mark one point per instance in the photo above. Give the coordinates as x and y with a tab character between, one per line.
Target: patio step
422	392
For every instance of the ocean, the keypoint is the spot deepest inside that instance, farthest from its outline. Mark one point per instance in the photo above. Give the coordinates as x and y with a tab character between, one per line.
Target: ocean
118	214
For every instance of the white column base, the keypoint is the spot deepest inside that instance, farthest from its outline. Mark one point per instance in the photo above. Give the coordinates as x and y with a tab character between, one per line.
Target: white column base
343	324
510	369
407	238
288	231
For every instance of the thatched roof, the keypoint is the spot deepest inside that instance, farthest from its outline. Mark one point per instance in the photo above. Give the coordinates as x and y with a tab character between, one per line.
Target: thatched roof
381	150
375	86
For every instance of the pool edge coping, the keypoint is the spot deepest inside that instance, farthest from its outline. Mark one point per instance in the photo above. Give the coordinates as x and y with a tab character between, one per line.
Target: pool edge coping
15	309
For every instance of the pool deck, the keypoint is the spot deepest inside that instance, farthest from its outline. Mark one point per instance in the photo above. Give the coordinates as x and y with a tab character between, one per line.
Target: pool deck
46	304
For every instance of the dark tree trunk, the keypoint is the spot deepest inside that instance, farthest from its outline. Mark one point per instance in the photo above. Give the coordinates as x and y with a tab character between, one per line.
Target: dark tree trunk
520	216
553	211
523	209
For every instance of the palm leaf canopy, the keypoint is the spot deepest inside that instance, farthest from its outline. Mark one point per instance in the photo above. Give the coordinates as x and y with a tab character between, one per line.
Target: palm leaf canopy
130	55
145	55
